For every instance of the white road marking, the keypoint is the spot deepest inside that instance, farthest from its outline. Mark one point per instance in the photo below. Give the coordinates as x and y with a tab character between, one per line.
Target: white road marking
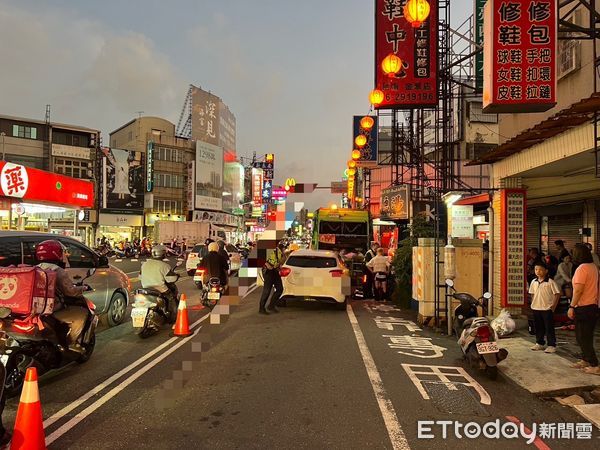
67	409
386	407
105	398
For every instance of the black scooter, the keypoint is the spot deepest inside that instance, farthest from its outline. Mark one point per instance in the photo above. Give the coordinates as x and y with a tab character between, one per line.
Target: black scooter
40	342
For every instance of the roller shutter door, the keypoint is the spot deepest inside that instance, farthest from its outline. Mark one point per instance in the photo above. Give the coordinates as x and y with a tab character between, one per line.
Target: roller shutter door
565	228
533	229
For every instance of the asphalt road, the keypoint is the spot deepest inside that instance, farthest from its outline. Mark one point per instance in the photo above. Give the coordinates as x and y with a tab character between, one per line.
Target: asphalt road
308	377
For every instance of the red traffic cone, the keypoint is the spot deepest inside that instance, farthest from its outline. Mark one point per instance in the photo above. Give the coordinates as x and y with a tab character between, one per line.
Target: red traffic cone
29	425
182	327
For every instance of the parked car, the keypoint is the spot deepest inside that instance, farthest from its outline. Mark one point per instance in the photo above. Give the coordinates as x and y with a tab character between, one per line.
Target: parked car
194	257
316	275
111	286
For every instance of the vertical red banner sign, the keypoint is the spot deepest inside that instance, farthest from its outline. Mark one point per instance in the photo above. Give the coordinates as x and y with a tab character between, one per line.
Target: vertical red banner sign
513	247
519	56
416	83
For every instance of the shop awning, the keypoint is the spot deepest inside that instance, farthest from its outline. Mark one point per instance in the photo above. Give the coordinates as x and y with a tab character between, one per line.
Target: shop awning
37	186
474	200
577	114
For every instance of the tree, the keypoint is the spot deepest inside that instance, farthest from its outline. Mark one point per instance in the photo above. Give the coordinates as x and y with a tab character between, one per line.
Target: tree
402	262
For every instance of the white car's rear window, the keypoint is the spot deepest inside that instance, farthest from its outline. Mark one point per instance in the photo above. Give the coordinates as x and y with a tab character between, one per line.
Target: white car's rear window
318	262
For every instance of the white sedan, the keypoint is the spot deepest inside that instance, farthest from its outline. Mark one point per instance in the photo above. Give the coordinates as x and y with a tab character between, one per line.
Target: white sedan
315	275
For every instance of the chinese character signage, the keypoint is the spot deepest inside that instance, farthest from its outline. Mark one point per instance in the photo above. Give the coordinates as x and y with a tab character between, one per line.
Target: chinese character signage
368	154
514	265
519	56
394	203
122	181
257	184
227	125
461	221
150	166
209	176
205	116
478	32
22	182
416	83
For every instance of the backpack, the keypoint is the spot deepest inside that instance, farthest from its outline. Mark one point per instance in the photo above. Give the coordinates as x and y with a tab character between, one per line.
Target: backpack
27	290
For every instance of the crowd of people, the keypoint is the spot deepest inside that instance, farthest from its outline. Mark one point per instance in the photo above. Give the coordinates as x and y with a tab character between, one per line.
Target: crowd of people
574	275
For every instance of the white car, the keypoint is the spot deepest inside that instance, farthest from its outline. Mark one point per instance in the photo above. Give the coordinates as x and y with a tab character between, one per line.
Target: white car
195	256
316	275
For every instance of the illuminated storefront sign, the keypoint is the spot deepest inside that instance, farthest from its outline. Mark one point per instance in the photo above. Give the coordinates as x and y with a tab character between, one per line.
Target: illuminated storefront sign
36	185
519	56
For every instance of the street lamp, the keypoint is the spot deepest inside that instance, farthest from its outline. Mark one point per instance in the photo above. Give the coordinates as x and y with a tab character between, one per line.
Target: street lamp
376	97
416	12
367	122
391	65
360	140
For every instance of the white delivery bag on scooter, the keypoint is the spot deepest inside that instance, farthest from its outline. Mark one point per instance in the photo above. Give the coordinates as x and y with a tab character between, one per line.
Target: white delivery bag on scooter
504	324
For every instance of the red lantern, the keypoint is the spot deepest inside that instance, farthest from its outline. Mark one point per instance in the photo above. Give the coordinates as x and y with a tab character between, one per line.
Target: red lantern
416	12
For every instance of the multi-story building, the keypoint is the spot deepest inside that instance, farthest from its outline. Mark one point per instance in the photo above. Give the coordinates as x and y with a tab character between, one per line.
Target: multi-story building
60	148
546	170
165	174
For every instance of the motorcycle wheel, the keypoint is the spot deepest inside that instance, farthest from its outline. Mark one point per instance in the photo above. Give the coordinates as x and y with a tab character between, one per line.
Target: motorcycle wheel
491	372
14	376
89	349
198	284
145	333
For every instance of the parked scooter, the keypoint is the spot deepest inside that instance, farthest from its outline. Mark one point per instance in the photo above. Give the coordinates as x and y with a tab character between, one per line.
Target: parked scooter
477	338
35	341
150	309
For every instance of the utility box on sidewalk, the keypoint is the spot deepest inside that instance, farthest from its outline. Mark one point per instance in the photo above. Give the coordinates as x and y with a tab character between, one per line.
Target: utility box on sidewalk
424	275
469	267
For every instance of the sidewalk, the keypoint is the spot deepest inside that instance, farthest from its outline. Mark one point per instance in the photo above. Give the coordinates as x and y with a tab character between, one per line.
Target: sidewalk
550	375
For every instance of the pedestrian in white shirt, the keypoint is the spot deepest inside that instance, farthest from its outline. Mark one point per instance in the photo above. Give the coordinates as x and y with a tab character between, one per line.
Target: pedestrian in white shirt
545	296
380	264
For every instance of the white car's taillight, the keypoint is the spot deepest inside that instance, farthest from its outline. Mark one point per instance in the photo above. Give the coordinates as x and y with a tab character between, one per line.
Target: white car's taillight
285	271
336	273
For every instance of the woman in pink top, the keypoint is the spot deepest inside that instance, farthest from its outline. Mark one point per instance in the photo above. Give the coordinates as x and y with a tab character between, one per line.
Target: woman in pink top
584	307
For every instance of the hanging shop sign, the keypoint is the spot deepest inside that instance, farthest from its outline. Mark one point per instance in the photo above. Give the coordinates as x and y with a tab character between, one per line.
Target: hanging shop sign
150	166
478	32
191	184
394	203
415	85
22	182
519	56
257	184
461	221
368	154
338	187
514	266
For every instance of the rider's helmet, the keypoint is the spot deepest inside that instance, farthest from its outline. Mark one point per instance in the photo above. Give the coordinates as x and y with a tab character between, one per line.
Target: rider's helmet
213	247
51	251
159	251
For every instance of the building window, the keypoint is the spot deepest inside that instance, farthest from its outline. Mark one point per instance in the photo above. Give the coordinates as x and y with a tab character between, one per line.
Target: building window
65	138
24	132
168	180
476	114
169	154
167	206
72	168
569	57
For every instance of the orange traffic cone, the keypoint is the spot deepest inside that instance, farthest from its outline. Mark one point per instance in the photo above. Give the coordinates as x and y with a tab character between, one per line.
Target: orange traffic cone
182	327
29	427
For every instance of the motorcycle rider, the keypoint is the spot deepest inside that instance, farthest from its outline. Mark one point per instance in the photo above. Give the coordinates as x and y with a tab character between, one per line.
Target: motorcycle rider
379	264
215	265
224	253
153	276
51	255
371	253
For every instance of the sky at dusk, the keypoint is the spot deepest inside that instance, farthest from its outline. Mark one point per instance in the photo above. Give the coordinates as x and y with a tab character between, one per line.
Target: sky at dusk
292	72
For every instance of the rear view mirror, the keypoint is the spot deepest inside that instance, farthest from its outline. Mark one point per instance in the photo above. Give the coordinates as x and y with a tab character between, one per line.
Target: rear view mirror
449	282
487	295
90	272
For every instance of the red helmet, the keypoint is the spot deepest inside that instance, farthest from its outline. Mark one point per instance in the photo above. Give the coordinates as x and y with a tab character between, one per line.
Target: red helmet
49	251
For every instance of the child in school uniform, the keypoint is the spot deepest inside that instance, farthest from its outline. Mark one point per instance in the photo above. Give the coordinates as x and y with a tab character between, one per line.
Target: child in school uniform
545	296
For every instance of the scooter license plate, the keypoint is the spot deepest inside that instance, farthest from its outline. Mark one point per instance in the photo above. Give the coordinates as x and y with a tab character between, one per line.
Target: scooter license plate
214	296
138	316
197	278
487	347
